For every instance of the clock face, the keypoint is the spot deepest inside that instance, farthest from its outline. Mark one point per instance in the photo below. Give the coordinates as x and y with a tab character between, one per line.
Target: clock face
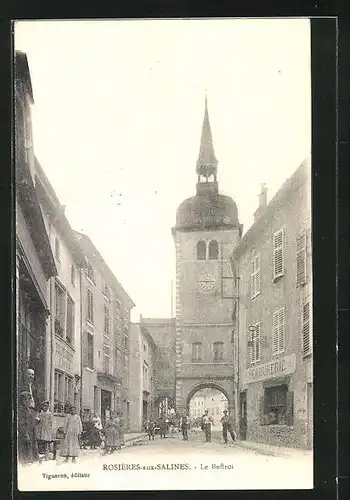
206	282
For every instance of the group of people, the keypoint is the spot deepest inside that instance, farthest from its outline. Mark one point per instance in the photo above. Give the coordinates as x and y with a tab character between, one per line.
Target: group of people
111	435
161	426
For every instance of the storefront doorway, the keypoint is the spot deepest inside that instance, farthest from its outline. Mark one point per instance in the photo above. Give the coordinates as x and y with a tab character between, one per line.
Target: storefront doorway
106	402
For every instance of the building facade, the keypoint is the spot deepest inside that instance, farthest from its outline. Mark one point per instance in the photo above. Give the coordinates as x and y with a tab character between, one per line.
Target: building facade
64	327
273	320
105	309
142	377
35	263
162	331
207	227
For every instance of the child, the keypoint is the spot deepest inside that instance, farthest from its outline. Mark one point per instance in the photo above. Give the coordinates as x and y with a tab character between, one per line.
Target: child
72	430
44	429
111	431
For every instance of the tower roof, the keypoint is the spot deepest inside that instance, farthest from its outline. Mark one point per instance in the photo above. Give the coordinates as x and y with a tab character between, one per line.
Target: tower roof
207	162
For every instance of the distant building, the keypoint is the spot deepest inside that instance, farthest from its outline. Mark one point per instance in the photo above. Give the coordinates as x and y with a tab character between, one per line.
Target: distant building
64	325
35	263
142	377
273	323
207	399
105	337
162	331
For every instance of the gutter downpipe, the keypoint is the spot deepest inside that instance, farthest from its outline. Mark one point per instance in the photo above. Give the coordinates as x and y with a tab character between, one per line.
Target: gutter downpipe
81	342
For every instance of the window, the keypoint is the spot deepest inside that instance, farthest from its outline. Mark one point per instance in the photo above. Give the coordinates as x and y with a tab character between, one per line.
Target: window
64	392
278	331
218	351
90	271
255	343
301	259
106	321
197	351
255	276
201	250
278	254
64	314
213	250
70	321
145	377
276	406
57	249
106	358
89	350
106	292
126	343
306	329
72	274
90	306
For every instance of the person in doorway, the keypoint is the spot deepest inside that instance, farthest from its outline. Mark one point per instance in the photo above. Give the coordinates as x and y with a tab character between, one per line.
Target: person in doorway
227	427
185	425
27	442
111	432
30	387
72	431
44	429
206	426
95	432
120	422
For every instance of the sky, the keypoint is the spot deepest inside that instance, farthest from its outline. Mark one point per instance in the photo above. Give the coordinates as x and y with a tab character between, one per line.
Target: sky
117	117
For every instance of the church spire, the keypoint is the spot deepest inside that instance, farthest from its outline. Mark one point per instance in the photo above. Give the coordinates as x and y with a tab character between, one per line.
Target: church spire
207	162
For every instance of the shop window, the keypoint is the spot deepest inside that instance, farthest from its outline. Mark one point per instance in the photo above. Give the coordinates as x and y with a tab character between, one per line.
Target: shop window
276	406
301	259
197	351
214	250
201	250
255	276
278	254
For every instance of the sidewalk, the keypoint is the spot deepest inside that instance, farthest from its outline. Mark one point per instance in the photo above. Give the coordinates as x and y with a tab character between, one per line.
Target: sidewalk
132	437
274	450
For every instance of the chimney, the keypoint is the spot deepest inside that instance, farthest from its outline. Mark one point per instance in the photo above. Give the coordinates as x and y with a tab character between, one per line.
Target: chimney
262	202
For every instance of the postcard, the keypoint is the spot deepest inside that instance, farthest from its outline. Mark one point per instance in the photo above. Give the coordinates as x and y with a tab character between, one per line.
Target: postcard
163	254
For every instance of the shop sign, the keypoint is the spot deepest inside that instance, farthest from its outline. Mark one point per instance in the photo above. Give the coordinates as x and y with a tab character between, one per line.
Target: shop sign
63	357
273	369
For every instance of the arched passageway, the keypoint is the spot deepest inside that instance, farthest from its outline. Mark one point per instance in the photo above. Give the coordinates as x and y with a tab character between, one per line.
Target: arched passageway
208	399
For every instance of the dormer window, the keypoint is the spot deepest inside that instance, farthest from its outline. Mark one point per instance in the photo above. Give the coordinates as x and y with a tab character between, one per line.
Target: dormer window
214	250
201	250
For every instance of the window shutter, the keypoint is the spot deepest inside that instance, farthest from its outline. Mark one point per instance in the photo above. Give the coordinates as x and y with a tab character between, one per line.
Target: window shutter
281	330
253	278
257	271
290	407
306	337
257	342
301	259
278	254
275	342
262	411
85	349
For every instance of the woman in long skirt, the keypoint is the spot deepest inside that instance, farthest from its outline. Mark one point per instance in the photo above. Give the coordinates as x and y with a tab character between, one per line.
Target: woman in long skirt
72	430
44	429
111	432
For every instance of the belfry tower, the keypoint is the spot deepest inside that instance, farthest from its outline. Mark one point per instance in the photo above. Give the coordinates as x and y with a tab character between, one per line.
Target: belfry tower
207	227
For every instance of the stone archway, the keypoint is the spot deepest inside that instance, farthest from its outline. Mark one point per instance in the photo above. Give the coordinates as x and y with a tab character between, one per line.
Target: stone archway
187	388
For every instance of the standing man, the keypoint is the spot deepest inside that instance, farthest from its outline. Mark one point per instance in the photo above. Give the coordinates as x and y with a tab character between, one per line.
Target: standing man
227	427
206	426
30	387
185	424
